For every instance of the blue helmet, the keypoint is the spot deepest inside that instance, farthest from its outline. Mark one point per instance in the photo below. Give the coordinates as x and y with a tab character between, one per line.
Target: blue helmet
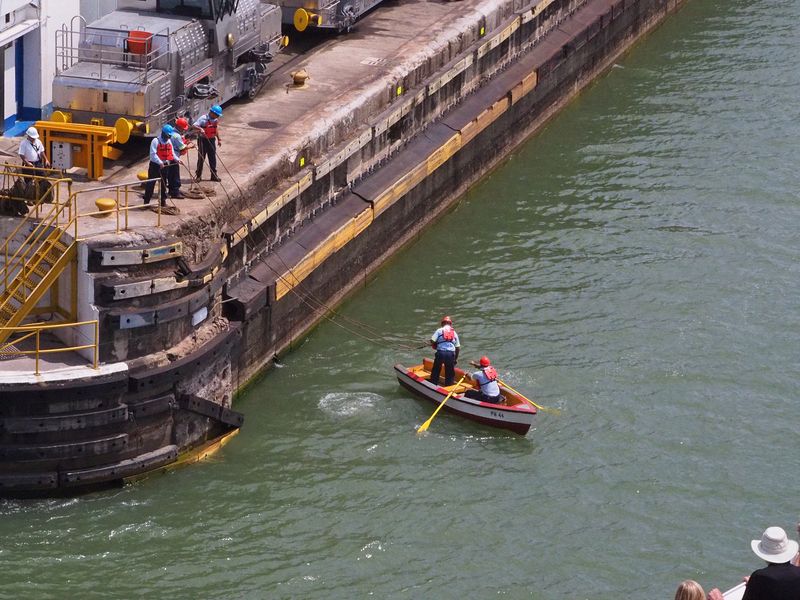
168	130
217	110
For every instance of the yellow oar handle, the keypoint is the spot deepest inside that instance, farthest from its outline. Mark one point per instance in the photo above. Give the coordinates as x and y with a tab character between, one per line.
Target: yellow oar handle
426	424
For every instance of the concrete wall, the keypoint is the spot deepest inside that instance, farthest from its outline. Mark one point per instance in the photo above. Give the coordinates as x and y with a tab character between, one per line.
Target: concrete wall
38	57
346	236
352	147
512	85
272	329
9	84
54	16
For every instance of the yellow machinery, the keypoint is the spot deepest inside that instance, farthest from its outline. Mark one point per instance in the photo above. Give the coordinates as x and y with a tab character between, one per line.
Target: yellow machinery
79	145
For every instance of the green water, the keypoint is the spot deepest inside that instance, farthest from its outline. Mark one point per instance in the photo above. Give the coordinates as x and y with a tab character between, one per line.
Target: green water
635	266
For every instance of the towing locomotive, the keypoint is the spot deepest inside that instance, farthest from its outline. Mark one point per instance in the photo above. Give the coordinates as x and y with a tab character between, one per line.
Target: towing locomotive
150	61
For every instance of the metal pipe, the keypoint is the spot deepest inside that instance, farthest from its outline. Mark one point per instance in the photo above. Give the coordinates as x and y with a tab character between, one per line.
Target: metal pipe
96	342
37	351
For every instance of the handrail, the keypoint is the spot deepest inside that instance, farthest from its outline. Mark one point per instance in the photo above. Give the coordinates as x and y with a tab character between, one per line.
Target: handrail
21	277
48	232
54	181
53	216
36	330
122	192
93	47
35	240
54	185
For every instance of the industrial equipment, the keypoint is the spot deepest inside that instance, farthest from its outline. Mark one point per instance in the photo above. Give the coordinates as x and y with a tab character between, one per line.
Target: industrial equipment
339	15
151	61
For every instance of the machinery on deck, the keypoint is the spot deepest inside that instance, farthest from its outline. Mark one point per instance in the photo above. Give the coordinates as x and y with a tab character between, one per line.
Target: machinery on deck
150	61
339	15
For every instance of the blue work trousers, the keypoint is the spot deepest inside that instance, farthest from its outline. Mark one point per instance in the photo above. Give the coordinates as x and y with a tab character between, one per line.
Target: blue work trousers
174	178
206	147
154	171
448	359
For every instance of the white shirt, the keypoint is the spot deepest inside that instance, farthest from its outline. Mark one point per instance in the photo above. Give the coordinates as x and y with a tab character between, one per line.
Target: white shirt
32	152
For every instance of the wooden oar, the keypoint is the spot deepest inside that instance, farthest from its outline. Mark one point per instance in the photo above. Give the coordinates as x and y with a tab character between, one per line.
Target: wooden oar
426	424
552	411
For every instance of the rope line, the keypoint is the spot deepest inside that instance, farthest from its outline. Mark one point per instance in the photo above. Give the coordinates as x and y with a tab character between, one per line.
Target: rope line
306	297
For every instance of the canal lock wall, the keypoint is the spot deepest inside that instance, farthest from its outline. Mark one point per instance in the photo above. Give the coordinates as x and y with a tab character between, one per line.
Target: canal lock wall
191	313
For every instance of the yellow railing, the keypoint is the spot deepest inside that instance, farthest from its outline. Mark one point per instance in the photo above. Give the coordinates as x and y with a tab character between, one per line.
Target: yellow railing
20	177
22	183
35	331
122	207
54	223
64	215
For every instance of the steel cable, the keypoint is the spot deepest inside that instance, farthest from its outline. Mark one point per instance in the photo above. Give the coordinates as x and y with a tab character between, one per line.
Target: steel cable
309	299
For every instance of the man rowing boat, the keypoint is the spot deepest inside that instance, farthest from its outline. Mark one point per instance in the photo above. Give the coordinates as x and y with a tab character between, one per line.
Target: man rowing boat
487	379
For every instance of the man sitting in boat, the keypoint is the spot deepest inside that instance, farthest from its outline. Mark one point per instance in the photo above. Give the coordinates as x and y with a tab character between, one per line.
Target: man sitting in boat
445	341
487	379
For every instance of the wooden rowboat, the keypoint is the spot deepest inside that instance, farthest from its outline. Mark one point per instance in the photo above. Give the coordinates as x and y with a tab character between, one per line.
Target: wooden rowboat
515	413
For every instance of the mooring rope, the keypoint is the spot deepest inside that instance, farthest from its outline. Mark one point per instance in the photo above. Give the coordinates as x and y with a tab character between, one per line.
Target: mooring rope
306	297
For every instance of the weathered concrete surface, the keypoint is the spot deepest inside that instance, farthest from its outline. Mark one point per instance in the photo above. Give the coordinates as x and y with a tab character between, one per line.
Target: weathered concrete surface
352	78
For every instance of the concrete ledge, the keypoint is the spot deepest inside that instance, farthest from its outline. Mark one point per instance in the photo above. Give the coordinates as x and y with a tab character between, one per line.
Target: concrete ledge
11	381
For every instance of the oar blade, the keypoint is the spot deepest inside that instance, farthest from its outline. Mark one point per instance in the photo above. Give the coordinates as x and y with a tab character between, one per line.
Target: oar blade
426	424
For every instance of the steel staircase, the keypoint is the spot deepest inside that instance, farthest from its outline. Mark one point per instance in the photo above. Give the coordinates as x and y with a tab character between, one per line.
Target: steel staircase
31	271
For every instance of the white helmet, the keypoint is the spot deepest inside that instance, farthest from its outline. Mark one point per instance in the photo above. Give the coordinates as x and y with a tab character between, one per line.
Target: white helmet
32	133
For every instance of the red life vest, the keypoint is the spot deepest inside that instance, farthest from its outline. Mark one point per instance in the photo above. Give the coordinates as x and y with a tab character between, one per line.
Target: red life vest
210	128
164	151
490	373
185	145
448	333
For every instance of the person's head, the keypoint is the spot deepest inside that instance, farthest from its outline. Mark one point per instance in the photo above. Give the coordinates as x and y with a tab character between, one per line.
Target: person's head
32	133
181	124
447	321
774	546
689	590
167	131
485	362
215	112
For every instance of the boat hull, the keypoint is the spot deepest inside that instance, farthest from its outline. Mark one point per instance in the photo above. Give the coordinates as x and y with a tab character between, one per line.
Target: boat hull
513	418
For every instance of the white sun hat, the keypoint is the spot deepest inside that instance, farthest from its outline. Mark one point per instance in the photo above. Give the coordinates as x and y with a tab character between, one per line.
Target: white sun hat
32	133
775	546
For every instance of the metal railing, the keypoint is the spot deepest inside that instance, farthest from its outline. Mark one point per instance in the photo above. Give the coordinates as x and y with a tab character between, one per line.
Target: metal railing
106	49
122	207
65	216
53	220
34	331
45	217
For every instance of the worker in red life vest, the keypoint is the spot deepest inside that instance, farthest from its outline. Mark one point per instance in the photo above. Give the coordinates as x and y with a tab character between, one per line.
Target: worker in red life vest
445	341
487	379
180	148
162	155
208	139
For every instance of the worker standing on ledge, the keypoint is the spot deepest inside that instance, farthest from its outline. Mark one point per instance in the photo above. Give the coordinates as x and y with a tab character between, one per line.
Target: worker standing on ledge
179	148
445	341
208	140
31	150
162	154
